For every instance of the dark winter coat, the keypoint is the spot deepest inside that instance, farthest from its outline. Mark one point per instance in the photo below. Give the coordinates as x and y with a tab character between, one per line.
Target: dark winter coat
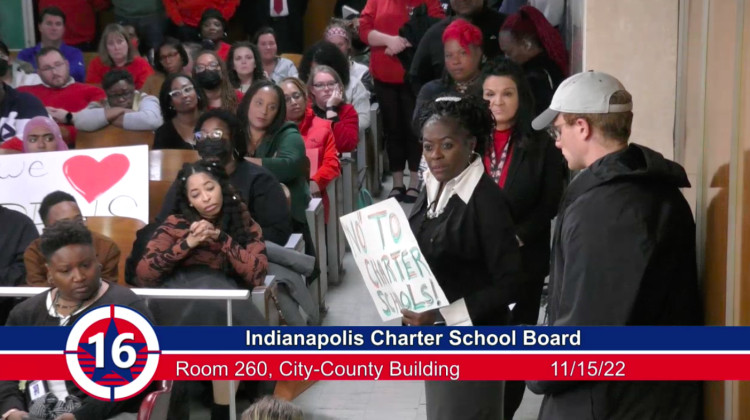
624	254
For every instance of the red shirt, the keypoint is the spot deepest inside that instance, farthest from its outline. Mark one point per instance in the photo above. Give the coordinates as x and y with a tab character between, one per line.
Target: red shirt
188	12
139	68
223	51
71	98
388	16
80	18
500	139
318	135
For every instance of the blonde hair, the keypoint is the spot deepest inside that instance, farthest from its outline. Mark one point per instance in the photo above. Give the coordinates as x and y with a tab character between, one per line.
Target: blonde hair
299	84
114	28
270	408
320	68
613	125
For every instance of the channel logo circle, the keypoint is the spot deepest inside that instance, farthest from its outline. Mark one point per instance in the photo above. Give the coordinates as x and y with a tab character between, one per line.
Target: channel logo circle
112	353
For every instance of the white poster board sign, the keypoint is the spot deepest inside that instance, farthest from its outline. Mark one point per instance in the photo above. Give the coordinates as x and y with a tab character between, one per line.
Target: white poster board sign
109	181
392	265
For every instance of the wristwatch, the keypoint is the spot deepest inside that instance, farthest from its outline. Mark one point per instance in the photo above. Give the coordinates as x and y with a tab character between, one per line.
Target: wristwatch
68	118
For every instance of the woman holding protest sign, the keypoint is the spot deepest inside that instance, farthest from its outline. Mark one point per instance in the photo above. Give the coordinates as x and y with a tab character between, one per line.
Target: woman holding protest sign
463	225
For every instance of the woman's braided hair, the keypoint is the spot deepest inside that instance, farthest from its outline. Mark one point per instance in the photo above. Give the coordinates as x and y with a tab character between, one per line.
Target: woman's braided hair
469	112
233	221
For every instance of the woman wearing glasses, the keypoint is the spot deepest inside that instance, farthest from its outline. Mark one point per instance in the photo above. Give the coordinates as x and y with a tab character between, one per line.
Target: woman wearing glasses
181	105
318	135
210	73
169	58
124	107
328	101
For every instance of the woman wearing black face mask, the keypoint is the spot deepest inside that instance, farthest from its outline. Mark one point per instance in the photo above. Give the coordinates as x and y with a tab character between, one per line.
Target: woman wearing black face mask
210	73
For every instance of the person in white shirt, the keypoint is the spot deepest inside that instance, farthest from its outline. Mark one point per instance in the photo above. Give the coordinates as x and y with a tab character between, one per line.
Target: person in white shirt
124	107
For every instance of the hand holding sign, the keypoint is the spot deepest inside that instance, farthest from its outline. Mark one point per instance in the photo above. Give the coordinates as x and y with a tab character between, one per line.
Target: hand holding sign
391	263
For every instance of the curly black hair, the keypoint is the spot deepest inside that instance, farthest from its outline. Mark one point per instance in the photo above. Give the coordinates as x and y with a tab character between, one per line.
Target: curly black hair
114	76
470	113
52	199
244	107
257	73
522	131
326	53
232	208
177	45
62	234
165	101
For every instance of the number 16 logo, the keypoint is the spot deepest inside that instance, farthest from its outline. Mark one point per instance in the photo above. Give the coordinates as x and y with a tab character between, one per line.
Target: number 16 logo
112	353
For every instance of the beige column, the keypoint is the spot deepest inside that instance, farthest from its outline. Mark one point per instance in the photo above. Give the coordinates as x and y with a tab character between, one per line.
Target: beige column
636	41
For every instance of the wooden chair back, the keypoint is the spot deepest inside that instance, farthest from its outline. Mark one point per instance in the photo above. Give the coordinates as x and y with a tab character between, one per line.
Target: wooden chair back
296	59
122	231
165	164
87	57
157	190
112	136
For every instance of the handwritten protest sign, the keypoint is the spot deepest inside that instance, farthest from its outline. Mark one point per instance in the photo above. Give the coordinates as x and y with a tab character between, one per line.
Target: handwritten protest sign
105	182
391	263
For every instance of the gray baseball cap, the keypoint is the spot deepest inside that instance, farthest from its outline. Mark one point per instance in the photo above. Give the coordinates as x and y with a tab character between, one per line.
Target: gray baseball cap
582	93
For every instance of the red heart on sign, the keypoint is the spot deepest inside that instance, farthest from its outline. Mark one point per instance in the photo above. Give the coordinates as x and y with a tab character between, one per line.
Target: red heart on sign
92	178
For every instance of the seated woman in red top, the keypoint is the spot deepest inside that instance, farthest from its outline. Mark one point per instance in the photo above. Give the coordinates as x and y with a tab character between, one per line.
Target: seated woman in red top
213	29
329	102
186	14
116	52
210	73
318	135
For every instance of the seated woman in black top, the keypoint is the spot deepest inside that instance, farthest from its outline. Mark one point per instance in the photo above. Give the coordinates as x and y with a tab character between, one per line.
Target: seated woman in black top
77	288
463	225
182	101
529	168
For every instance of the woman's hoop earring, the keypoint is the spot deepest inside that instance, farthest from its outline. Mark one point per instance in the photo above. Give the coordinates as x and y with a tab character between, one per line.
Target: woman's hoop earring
474	153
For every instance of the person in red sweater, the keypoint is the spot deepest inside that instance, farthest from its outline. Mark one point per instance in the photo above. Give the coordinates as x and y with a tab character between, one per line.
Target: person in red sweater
328	101
116	52
80	23
318	135
186	14
62	95
378	27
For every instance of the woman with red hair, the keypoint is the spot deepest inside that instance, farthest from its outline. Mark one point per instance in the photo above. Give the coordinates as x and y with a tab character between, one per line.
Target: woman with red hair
528	39
462	43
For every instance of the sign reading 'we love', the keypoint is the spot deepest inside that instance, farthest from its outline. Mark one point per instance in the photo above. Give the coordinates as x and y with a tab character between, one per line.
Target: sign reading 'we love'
105	182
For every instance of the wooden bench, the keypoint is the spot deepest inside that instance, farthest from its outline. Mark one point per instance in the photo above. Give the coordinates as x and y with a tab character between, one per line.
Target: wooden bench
122	231
165	164
112	136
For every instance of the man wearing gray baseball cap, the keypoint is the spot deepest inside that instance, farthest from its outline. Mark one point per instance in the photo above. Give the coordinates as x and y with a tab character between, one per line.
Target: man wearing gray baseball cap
623	249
